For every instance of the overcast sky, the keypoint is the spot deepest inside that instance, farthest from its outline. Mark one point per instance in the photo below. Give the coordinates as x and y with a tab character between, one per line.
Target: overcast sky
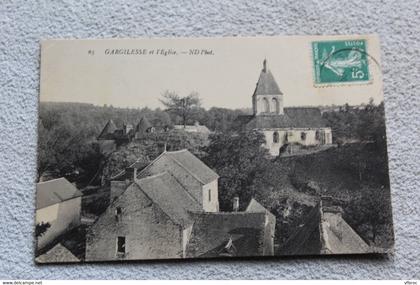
82	71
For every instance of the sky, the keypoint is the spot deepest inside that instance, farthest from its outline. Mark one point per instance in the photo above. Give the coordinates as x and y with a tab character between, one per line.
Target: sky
224	71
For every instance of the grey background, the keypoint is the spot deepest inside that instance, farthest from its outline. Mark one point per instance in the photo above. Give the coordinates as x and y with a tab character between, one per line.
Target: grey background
24	23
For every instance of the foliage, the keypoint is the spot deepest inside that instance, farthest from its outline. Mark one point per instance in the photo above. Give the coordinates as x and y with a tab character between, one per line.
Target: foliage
41	228
239	160
371	215
184	107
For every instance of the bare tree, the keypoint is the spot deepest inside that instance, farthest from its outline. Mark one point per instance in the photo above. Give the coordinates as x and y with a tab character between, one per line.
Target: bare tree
182	106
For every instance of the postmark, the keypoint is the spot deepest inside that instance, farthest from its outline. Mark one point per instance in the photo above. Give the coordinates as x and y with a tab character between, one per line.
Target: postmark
340	61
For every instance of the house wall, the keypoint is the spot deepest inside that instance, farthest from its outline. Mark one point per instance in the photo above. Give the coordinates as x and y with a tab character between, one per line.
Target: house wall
186	235
149	233
294	136
211	205
62	217
269	231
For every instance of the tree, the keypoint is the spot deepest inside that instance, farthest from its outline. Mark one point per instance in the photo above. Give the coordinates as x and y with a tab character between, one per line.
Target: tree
184	107
239	159
41	228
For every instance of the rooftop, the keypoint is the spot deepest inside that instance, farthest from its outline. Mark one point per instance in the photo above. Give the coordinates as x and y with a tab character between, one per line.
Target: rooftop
165	191
293	117
266	84
189	162
55	191
212	231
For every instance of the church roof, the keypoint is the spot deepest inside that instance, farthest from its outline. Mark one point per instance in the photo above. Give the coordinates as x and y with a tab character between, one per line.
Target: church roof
266	84
109	128
165	191
293	117
55	191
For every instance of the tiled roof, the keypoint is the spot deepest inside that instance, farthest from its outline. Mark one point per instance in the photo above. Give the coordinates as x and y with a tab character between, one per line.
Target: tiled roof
55	191
188	162
169	196
255	207
57	254
294	117
324	232
194	165
266	84
212	231
109	129
193	128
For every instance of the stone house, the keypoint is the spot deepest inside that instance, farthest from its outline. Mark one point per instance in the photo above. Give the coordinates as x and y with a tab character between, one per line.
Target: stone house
58	202
324	231
163	210
282	126
196	128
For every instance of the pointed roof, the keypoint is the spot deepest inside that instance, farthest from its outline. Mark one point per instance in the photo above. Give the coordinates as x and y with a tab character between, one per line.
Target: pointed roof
57	254
55	191
143	125
109	128
266	84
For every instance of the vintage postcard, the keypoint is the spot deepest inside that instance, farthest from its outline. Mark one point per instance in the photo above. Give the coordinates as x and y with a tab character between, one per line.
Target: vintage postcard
211	148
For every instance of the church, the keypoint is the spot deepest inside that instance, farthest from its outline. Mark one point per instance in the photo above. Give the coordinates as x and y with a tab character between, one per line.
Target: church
283	127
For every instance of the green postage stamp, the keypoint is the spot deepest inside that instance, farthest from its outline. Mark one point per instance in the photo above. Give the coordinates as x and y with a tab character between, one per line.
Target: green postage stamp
343	61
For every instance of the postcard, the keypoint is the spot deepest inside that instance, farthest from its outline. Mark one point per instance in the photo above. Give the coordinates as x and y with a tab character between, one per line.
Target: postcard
229	147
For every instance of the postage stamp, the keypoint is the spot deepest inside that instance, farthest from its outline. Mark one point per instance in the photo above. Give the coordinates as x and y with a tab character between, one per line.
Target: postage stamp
344	61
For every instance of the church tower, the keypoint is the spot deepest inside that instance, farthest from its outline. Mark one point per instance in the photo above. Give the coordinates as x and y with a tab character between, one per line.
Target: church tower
267	98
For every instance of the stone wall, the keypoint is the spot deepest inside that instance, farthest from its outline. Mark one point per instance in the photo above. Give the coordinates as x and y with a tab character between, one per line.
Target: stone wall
149	232
303	136
212	204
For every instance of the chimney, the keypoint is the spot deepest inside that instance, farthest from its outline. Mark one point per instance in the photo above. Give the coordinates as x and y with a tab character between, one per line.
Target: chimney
236	204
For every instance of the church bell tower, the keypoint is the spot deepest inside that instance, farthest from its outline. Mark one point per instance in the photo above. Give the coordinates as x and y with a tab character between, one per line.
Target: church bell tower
267	99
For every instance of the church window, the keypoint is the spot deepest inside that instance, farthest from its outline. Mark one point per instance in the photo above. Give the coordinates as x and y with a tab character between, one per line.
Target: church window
303	136
209	195
276	106
275	137
266	105
121	246
317	135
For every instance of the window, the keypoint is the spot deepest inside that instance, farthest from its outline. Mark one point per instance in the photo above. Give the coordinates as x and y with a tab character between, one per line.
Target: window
209	195
317	135
275	137
266	105
303	136
118	214
121	246
276	106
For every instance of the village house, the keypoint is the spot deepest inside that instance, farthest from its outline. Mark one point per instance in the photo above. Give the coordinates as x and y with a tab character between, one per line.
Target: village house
196	128
58	203
163	210
283	126
324	231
